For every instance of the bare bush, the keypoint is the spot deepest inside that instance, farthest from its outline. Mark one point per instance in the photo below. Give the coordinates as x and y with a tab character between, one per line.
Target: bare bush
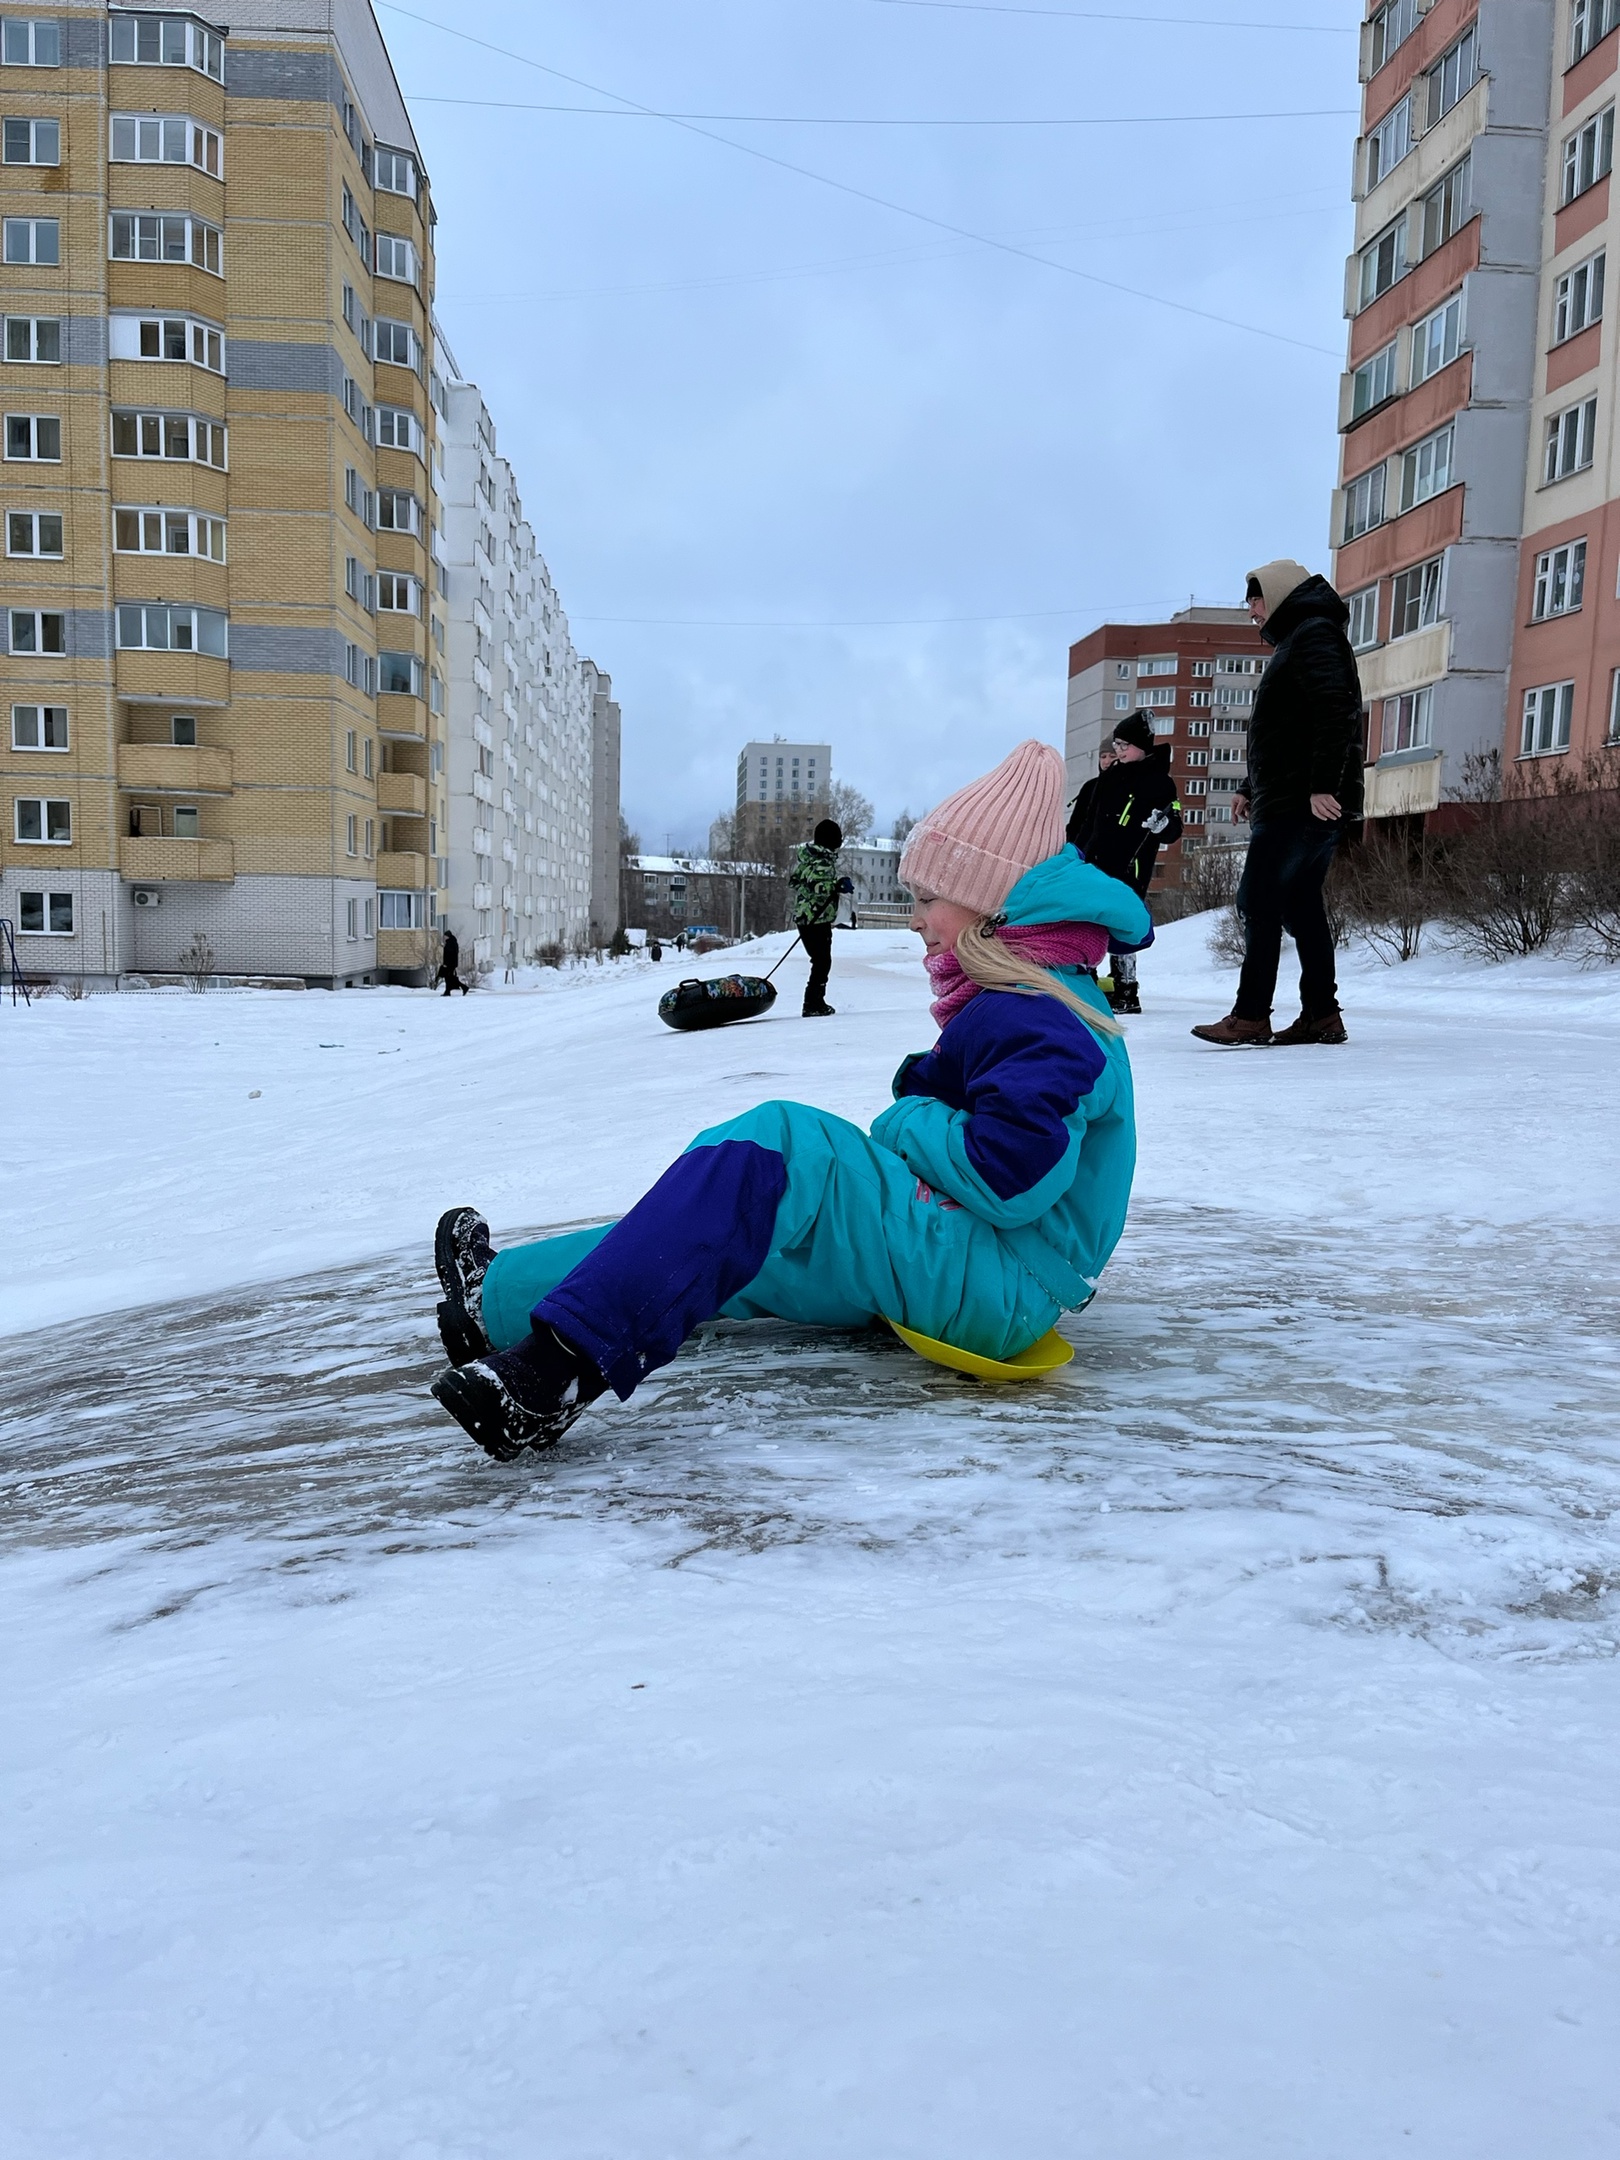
1387	892
197	963
1507	872
1593	895
552	954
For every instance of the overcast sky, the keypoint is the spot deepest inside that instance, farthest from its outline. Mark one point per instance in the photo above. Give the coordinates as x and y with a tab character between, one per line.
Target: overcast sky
736	396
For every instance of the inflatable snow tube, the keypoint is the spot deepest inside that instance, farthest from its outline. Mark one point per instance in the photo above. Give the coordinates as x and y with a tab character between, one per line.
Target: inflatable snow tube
695	1004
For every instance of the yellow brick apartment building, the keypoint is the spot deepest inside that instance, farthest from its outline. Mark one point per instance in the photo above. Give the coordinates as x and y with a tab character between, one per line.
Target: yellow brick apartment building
220	645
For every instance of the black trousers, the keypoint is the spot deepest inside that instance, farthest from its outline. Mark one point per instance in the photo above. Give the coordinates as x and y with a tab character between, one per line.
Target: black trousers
1281	889
817	937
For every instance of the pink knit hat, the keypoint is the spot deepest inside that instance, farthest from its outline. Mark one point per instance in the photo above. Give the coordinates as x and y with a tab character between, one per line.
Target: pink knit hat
976	846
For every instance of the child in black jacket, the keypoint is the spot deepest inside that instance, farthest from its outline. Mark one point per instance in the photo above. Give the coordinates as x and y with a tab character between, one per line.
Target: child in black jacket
1121	819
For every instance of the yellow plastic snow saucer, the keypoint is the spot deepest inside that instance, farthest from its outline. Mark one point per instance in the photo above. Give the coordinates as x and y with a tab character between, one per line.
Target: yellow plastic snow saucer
1046	1356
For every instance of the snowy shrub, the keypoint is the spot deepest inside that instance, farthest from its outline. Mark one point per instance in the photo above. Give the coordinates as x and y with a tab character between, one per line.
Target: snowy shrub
550	955
1386	892
197	963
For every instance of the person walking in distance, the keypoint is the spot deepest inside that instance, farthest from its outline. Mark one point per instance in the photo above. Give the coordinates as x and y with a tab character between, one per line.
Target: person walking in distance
1303	792
816	886
449	962
1120	820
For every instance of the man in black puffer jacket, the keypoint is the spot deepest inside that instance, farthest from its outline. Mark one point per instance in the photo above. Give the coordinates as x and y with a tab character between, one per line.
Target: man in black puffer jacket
1302	793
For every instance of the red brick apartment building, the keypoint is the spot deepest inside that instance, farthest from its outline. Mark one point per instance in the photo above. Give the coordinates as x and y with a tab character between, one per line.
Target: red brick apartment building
1196	674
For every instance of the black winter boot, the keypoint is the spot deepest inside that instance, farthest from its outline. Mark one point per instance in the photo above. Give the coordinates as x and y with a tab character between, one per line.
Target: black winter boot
461	1256
526	1397
1127	998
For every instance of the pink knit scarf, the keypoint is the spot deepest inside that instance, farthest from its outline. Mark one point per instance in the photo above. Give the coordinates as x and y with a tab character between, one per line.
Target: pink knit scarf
1052	945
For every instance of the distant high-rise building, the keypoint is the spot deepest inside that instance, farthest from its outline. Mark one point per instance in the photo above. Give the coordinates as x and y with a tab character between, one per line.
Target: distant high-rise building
1197	675
606	881
216	675
782	790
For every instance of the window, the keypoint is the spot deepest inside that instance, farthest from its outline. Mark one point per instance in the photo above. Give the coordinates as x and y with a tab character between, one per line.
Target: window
1426	468
365	758
36	436
37	631
33	240
1363	624
1548	712
169	532
399	674
1238	667
1560	581
351	829
1454	76
43	823
1389	27
1446	208
1383	262
1407	721
1436	340
1578	298
1590	21
187	822
183	731
352	912
1122	701
1166	666
399	595
1414	602
33	142
350	764
44	914
1197	727
1148	698
396	258
1203	667
169	435
171	629
359	670
359	499
1588	154
34	532
1389	142
355	226
1614	707
1364	503
167	337
141	236
1234	697
1201	697
400	911
371	838
355	406
397	344
1197	757
171	139
1569	441
34	337
360	585
396	173
166	41
398	511
39	727
398	429
1374	382
31	44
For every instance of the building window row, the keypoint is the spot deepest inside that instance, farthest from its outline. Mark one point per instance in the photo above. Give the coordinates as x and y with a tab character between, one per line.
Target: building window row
184	436
163	139
1588	155
1432	343
1424	226
166	41
1425	470
164	236
161	628
1423	107
169	532
188	338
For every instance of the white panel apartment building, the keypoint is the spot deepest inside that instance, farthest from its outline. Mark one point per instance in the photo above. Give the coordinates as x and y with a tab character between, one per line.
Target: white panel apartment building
525	711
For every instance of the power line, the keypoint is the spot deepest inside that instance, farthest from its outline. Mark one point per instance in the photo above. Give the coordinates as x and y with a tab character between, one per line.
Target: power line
1105	120
843	187
1180	22
879	622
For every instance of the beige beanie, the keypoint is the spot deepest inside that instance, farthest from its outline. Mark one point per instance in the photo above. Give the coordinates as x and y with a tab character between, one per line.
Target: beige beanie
976	846
1277	580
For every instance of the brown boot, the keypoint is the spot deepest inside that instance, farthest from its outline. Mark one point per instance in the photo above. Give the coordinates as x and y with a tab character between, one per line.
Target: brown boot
1235	1034
1326	1028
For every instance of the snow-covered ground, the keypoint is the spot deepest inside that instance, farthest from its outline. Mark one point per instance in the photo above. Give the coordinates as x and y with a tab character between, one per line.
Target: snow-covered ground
1209	1753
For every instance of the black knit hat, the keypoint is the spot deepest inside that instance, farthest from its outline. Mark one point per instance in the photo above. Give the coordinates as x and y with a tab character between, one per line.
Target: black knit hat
829	833
1136	728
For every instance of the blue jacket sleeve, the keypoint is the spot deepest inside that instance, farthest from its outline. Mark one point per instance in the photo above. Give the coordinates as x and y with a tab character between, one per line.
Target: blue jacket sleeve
1009	1153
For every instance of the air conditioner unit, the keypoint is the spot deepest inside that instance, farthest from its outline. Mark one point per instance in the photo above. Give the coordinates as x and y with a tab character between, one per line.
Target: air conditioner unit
147	896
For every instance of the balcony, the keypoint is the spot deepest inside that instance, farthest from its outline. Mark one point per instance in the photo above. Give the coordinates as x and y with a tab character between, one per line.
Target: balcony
173	769
402	718
401	872
402	950
176	862
402	794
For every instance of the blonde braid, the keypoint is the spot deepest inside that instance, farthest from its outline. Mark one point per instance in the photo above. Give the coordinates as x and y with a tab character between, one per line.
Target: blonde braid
997	966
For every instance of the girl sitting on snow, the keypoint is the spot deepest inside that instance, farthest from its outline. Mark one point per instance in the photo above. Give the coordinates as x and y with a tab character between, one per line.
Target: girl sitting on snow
985	1200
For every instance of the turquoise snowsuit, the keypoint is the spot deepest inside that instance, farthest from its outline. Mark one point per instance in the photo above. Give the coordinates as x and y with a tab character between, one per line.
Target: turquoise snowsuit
985	1200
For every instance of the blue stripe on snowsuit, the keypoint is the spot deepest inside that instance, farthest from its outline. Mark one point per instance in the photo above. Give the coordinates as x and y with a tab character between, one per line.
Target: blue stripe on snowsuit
984	1201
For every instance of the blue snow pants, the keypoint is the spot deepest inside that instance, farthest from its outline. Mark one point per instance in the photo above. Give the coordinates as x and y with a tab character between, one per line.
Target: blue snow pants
786	1212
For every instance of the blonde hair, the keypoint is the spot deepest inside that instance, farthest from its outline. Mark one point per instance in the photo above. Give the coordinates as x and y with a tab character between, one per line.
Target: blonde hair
993	965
